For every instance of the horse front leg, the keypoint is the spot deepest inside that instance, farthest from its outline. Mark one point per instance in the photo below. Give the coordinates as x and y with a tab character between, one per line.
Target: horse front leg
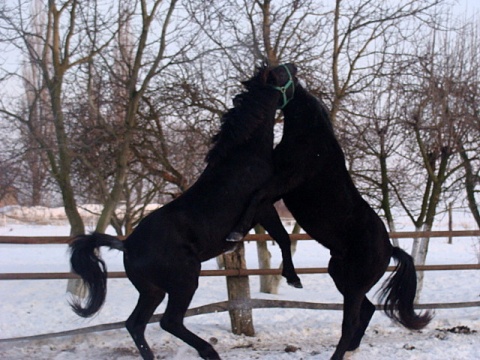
280	184
137	322
268	217
341	272
183	282
247	219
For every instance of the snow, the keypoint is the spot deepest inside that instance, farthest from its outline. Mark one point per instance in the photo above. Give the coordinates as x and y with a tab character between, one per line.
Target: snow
41	306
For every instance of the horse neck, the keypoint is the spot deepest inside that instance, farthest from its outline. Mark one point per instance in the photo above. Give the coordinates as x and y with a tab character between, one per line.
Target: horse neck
250	122
307	111
307	116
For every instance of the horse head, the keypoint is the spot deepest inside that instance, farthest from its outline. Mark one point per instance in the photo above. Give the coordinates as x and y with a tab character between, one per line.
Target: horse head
281	78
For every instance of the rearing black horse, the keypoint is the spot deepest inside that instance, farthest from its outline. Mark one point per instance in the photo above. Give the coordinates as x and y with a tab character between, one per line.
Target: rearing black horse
311	177
164	252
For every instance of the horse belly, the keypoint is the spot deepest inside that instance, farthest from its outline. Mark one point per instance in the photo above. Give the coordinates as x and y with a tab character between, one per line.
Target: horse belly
202	217
317	216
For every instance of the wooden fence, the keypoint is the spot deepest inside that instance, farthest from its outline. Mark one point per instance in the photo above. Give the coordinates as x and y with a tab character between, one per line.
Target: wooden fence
235	305
29	240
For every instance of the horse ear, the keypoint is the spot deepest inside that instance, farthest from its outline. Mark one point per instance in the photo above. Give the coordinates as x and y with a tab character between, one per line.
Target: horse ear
272	78
265	62
267	74
246	83
263	70
237	100
261	76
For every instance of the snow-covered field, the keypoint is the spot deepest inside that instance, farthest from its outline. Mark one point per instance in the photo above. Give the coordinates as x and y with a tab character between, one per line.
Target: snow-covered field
41	306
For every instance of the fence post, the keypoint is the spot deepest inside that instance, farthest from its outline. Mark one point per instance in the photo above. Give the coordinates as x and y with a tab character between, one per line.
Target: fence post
238	288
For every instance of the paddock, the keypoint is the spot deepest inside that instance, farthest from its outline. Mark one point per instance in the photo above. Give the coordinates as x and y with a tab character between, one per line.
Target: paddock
294	324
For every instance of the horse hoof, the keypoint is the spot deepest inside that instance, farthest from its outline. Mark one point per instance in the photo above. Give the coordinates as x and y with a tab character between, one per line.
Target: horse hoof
234	237
296	284
209	354
353	347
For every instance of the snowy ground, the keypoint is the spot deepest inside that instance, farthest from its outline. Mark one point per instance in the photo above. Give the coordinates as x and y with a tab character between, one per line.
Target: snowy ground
41	306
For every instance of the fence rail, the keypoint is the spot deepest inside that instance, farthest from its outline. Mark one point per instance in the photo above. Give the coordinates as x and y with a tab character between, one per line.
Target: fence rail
45	240
228	272
38	240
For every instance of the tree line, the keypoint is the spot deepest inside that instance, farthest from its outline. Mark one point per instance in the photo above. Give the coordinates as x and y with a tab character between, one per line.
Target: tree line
116	103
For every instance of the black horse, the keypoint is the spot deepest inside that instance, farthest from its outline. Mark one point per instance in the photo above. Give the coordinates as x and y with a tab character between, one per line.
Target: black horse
164	252
311	177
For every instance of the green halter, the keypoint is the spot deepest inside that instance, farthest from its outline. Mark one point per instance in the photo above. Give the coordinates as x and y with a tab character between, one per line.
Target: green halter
283	89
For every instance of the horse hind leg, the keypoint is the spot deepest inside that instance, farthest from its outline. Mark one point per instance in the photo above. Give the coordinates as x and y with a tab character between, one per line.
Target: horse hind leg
180	294
353	306
147	303
350	324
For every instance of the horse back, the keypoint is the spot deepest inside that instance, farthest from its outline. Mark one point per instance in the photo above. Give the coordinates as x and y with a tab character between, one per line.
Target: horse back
199	220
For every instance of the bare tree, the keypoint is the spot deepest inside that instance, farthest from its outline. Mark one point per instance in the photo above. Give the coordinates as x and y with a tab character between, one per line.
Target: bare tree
468	93
150	80
338	59
56	45
8	175
372	136
118	110
360	29
435	122
245	33
143	66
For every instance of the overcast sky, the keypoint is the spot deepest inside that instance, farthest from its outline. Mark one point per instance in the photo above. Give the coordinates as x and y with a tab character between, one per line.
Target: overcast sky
470	6
11	60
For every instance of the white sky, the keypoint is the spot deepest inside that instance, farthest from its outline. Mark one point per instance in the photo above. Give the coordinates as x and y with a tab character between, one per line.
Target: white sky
467	7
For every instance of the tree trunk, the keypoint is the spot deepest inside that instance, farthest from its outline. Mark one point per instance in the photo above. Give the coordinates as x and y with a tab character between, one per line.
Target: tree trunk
386	206
61	166
74	286
392	228
470	181
264	257
419	254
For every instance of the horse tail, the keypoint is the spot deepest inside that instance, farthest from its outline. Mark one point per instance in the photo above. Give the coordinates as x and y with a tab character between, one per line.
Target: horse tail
91	268
398	293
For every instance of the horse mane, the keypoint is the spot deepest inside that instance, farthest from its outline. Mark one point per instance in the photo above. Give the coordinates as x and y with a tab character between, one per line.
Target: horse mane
239	122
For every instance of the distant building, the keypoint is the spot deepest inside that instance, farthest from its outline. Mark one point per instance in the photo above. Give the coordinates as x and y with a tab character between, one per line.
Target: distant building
10	197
